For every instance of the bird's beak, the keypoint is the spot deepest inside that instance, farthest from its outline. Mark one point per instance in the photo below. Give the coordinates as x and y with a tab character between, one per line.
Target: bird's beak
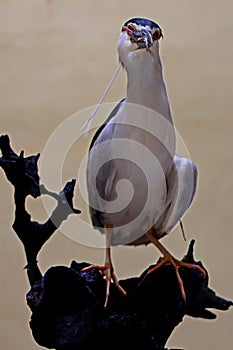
143	37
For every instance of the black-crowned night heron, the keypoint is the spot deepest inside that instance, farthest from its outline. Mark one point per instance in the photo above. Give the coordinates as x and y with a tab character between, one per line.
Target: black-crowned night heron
138	188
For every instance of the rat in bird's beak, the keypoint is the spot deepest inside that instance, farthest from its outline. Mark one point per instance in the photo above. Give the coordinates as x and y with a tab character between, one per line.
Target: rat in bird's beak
138	35
143	37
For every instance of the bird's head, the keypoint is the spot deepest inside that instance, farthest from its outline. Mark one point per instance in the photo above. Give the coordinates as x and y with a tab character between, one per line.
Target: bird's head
138	36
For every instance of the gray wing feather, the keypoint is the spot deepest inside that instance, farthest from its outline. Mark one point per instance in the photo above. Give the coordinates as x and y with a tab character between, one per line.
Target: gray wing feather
182	183
96	215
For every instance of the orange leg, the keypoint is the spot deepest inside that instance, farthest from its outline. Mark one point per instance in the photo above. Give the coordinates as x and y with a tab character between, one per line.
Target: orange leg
107	268
168	258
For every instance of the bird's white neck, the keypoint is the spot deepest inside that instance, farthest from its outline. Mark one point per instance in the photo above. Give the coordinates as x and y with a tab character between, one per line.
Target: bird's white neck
145	84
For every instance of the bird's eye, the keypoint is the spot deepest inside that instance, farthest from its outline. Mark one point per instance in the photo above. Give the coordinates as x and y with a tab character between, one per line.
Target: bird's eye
129	28
157	34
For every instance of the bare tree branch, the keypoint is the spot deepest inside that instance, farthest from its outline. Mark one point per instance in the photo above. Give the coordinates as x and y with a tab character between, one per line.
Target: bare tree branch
67	303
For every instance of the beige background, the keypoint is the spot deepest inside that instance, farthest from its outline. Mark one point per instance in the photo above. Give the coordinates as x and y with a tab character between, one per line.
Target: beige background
56	57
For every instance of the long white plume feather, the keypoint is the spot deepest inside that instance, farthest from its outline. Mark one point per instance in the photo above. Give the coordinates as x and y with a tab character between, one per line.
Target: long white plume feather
87	124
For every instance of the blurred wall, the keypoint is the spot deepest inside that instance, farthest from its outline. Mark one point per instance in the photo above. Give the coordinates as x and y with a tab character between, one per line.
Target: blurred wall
56	58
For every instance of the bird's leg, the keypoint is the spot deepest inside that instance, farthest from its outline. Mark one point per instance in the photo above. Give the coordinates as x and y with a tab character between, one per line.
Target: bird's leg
107	268
168	258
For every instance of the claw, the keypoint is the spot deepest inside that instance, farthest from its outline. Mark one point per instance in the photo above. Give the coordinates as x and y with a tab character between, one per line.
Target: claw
168	258
107	271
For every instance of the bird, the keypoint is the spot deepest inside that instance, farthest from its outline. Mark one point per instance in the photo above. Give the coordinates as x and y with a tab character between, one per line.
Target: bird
138	187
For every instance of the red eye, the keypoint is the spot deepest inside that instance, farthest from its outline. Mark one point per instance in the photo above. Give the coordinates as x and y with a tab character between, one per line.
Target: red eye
131	27
157	34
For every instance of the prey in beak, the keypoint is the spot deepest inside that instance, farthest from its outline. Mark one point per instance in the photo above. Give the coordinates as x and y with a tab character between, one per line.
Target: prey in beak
143	37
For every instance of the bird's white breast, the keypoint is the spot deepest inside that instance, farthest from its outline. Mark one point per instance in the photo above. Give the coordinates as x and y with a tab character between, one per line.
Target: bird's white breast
135	145
137	148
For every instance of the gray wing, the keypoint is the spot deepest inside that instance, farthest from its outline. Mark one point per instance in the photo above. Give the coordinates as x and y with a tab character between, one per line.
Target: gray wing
111	115
181	183
96	215
181	188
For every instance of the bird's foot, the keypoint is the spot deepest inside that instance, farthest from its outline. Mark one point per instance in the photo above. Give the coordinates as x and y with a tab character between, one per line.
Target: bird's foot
168	258
107	271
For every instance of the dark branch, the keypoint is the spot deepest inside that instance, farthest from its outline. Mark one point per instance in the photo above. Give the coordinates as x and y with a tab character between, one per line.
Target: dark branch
67	303
22	172
68	313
